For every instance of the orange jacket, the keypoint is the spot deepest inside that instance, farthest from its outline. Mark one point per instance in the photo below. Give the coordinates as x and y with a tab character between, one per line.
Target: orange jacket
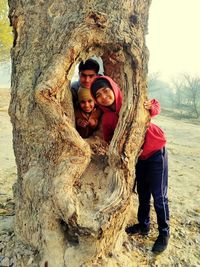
87	131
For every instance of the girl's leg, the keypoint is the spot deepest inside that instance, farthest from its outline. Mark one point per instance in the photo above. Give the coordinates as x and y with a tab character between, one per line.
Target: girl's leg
158	171
144	193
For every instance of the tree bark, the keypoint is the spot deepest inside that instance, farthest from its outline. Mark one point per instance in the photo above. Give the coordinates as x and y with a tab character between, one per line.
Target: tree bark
73	198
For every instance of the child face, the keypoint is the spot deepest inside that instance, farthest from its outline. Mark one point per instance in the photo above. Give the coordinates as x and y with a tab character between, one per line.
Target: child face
105	96
87	105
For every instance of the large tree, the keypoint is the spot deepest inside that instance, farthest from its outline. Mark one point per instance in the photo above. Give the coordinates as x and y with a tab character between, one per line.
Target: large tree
6	37
73	196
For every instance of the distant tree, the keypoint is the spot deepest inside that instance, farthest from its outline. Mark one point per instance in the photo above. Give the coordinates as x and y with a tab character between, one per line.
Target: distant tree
153	81
179	92
6	37
187	89
160	90
192	90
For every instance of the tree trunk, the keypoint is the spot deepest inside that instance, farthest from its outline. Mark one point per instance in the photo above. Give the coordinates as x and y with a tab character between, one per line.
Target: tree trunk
73	198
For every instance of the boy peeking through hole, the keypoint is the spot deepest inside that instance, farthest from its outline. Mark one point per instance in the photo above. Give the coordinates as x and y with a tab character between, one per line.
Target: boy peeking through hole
87	114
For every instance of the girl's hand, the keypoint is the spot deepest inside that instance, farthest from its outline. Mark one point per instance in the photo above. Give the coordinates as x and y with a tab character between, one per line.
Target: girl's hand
82	123
92	122
141	150
147	104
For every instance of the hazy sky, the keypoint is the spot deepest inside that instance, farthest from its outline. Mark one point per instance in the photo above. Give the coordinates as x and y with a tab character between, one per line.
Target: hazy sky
174	37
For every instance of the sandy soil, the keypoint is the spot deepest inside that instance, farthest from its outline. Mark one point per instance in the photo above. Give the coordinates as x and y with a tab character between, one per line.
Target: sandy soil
7	167
184	194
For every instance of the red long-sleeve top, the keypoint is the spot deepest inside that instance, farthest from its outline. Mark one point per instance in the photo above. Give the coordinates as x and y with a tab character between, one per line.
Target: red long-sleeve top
154	138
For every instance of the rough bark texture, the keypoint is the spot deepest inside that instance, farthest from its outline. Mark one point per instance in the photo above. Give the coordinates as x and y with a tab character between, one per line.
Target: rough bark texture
72	200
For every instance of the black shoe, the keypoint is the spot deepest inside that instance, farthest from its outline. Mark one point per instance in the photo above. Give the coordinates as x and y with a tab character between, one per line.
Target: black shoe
137	229
160	244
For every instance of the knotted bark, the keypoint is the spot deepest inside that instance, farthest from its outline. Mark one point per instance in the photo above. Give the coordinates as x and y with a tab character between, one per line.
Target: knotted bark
71	199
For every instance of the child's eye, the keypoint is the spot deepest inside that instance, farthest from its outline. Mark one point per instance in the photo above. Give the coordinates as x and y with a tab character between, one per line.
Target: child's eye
106	90
90	101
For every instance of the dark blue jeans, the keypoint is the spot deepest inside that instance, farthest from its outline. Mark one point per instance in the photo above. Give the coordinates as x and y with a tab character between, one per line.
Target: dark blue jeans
152	179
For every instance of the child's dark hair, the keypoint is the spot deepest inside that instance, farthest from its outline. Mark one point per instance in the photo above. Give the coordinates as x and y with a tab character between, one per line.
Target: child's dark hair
99	83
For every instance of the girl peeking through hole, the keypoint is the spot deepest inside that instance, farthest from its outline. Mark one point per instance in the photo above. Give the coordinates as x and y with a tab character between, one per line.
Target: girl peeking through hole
108	97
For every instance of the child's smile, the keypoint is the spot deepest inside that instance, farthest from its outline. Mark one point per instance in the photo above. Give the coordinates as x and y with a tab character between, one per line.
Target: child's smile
87	105
105	96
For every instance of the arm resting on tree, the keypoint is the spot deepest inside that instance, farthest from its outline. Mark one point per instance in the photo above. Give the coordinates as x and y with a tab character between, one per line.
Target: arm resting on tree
155	108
